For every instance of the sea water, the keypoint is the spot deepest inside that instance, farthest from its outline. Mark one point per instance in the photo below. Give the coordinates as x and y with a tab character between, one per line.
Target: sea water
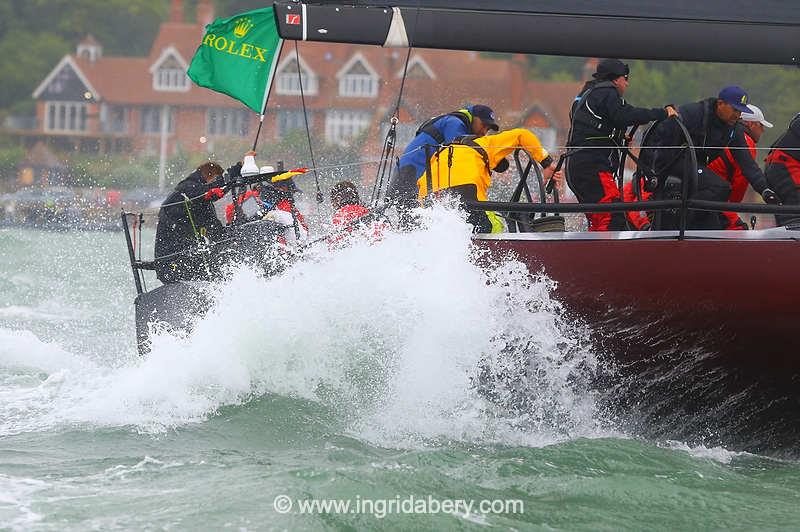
397	382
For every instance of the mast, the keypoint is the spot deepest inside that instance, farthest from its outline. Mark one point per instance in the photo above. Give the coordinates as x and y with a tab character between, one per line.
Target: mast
732	31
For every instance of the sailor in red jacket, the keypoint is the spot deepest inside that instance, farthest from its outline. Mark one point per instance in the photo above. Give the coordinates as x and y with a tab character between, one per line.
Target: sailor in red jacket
348	209
274	203
726	166
783	168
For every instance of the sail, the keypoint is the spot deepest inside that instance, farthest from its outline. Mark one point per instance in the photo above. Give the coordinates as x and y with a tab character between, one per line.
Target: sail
735	31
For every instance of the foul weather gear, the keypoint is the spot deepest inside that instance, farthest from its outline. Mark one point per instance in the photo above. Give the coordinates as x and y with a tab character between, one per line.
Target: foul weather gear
710	136
432	134
783	169
637	219
598	120
464	169
185	218
727	168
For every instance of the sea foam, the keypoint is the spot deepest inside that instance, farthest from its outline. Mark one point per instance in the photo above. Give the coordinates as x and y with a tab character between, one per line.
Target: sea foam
407	340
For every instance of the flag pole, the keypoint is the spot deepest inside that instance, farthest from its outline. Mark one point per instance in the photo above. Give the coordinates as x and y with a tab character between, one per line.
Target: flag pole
267	90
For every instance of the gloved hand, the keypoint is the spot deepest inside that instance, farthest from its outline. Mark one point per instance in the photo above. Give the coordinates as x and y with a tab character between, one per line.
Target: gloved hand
280	217
235	170
770	197
213	194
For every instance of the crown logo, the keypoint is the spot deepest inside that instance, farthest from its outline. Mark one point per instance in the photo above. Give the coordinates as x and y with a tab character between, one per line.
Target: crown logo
243	25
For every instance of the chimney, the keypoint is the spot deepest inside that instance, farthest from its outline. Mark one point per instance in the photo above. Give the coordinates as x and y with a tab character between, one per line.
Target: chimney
205	13
176	11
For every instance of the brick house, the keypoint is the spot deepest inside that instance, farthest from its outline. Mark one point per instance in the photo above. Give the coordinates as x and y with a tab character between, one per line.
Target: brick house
95	103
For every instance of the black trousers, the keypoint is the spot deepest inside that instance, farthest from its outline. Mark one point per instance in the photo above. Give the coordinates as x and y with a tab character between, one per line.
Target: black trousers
710	187
478	219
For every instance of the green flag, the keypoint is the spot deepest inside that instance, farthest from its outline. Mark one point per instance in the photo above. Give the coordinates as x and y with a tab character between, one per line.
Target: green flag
238	57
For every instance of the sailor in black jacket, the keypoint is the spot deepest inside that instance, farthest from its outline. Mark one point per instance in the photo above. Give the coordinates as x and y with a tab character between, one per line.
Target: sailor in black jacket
713	125
598	119
183	223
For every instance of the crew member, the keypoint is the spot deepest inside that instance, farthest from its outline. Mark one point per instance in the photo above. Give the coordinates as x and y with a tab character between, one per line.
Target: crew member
348	210
726	166
278	200
346	204
598	120
639	220
713	124
464	169
783	169
186	218
275	202
475	120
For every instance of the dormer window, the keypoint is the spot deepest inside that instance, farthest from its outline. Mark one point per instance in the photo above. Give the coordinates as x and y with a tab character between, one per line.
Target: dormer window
171	78
288	82
357	79
417	69
169	72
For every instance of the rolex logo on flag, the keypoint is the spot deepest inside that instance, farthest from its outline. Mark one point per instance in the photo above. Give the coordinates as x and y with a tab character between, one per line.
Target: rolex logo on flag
242	27
238	56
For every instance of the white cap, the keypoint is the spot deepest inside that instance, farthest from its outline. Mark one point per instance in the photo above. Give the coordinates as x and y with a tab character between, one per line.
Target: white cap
249	166
756	115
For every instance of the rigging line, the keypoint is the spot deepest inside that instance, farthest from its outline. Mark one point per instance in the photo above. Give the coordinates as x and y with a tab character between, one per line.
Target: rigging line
391	135
305	118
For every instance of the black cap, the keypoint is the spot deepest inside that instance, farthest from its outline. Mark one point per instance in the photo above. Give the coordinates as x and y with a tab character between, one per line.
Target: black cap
609	69
486	115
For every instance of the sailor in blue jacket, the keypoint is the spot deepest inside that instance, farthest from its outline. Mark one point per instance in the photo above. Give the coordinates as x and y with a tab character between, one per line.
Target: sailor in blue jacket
438	131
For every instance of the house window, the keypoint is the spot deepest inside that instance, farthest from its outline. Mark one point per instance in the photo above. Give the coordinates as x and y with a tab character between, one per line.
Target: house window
289	83
292	119
116	119
358	82
66	116
342	126
228	122
150	121
170	76
171	79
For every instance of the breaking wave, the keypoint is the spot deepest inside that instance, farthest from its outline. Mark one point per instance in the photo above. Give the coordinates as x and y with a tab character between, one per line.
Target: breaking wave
407	341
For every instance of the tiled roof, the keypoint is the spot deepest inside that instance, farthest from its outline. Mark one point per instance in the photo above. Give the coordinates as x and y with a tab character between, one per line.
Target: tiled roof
127	80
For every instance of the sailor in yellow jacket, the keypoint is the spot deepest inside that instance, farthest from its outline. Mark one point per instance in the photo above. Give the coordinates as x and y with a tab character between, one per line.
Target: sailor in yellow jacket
465	166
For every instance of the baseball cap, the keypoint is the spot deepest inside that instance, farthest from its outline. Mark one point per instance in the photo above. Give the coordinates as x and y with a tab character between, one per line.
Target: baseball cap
486	115
609	69
736	97
756	115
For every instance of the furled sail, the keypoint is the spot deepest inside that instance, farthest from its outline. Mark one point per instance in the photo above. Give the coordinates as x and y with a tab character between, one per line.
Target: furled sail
735	31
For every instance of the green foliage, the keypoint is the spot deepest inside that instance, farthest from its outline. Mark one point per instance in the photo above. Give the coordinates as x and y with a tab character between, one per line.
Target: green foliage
226	8
25	59
657	83
10	157
117	172
123	27
36	34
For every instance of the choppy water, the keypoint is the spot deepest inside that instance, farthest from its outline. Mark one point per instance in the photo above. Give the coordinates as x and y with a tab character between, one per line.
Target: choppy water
353	376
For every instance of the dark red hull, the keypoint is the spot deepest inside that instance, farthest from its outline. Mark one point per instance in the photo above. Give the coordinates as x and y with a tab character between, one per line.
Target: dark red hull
740	294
